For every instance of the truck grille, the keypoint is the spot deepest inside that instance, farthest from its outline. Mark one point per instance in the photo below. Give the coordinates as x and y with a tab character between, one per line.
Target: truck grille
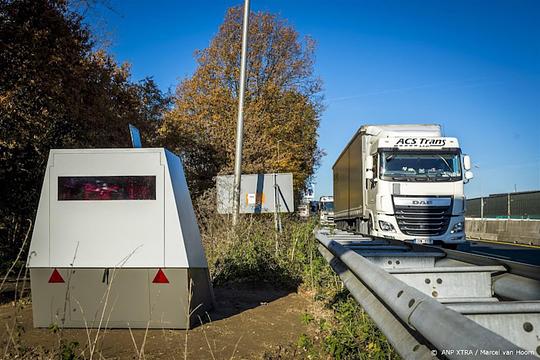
423	221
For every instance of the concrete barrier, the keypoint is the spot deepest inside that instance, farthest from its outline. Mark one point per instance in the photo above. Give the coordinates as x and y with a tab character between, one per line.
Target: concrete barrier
504	230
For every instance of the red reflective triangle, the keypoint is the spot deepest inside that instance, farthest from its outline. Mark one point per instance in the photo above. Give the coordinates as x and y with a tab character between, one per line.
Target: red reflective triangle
56	277
160	278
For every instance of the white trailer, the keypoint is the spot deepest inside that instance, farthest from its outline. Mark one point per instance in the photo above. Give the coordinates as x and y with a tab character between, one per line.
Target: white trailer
402	182
116	242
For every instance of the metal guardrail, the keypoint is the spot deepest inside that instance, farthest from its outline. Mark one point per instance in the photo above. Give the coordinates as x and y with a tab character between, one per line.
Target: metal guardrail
430	305
519	282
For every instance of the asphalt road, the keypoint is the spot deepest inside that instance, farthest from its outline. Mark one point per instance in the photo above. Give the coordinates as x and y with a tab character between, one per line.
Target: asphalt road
520	253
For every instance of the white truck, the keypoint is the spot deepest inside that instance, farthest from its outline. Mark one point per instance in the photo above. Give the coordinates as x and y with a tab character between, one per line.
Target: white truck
402	182
326	210
303	211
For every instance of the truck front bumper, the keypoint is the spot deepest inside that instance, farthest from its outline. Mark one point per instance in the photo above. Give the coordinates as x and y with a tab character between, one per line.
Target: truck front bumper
448	237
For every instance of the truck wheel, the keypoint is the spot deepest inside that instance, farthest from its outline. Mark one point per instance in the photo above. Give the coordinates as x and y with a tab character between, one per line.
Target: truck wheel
370	225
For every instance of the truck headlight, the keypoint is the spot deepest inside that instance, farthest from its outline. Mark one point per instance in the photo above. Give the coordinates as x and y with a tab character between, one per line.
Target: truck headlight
386	226
457	228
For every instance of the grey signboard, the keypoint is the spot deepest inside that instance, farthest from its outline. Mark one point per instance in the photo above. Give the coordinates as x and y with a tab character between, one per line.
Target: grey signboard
259	193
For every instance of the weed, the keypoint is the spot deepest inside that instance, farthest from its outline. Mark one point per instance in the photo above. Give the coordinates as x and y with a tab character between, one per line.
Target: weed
67	350
306	318
304	342
54	328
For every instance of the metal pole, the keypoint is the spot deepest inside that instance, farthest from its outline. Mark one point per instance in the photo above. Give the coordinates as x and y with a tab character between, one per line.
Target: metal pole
276	227
508	206
482	208
240	121
278	203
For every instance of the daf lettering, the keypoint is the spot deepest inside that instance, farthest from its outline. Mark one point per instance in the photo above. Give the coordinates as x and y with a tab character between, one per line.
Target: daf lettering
422	202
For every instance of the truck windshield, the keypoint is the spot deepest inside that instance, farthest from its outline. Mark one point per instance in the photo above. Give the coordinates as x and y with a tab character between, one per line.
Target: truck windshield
327	206
420	166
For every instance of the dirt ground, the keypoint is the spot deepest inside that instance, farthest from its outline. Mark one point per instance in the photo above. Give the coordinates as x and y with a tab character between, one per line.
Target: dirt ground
250	322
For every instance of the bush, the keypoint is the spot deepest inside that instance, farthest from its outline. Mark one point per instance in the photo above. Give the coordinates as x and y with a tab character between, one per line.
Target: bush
254	252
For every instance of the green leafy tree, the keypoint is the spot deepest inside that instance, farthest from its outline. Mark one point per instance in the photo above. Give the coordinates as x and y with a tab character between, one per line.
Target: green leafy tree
282	107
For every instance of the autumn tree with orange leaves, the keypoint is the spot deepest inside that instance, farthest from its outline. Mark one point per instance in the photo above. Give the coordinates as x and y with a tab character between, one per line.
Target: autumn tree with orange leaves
282	105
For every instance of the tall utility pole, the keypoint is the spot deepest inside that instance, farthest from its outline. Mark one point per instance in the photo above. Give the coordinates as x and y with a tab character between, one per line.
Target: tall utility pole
277	218
240	121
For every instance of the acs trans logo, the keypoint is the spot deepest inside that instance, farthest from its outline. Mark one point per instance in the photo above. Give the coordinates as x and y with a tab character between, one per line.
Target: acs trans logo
424	142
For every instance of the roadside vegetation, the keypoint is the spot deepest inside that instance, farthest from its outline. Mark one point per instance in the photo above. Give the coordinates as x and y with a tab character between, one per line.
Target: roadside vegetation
255	252
60	88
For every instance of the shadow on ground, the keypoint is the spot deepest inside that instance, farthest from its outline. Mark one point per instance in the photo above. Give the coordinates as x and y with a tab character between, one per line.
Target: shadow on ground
250	320
235	298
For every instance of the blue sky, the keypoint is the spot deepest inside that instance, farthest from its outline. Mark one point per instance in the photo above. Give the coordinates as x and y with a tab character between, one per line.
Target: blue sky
471	66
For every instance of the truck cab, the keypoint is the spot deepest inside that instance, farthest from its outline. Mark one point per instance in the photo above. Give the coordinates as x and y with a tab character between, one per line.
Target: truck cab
418	184
326	210
405	182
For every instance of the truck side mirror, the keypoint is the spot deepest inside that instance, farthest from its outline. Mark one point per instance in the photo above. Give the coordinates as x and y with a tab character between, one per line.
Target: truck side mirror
467	163
468	175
